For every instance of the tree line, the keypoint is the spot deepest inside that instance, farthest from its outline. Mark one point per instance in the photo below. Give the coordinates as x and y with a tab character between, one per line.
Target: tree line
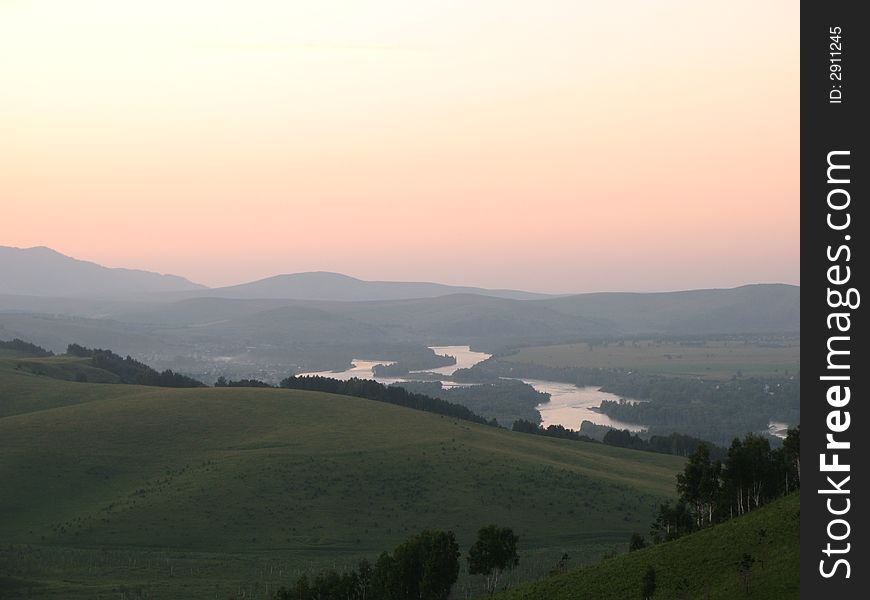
674	443
248	383
132	371
678	444
712	491
714	410
424	567
410	394
372	390
418	363
554	431
26	348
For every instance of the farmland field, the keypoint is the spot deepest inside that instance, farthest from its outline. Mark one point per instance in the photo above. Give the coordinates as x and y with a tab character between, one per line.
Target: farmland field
711	360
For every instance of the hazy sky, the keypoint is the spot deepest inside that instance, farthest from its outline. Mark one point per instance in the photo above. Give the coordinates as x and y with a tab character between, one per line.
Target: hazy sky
544	144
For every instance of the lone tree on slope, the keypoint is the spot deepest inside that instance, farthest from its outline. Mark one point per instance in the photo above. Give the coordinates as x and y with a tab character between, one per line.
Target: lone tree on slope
494	552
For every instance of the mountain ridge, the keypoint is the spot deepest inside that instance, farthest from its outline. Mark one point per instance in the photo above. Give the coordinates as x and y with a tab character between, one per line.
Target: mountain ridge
43	271
331	286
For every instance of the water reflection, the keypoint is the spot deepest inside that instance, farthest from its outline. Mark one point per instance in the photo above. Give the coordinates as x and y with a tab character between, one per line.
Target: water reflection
568	406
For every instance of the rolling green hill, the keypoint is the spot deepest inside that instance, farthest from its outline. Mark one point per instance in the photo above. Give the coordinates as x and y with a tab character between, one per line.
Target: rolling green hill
203	493
29	384
700	565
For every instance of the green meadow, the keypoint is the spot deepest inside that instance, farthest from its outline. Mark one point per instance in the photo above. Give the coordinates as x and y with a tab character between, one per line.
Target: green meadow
120	491
705	564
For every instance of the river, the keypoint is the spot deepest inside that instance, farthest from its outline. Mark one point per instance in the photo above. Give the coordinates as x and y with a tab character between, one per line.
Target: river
568	406
778	429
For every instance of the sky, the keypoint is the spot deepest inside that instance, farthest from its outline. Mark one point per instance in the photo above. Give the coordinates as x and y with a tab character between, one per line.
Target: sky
549	145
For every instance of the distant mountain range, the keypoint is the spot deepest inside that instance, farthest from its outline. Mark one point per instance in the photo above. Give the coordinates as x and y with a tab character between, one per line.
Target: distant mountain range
320	321
322	285
41	271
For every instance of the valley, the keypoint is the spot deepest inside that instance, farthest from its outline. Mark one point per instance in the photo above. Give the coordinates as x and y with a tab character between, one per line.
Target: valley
240	489
224	483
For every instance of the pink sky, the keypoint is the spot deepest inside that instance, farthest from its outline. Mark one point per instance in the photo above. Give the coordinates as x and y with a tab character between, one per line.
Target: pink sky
542	145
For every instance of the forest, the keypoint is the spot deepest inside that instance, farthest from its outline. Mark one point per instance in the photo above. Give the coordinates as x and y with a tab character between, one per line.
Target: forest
712	491
425	566
130	370
506	401
18	346
714	410
372	390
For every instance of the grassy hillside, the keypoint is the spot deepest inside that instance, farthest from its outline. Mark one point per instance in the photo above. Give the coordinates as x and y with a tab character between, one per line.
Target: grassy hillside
701	565
9	353
65	367
203	493
711	359
30	384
